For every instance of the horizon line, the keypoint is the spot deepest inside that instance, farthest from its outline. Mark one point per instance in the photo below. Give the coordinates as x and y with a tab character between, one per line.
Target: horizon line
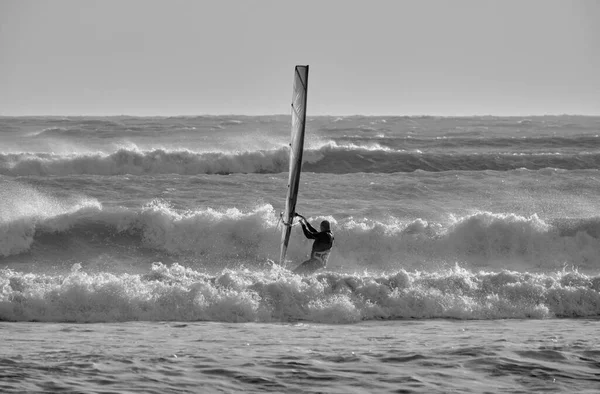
114	115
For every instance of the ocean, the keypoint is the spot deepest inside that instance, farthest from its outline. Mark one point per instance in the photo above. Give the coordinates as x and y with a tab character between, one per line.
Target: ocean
135	255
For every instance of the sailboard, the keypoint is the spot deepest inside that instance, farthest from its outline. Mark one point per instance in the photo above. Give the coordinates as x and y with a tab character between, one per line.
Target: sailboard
296	149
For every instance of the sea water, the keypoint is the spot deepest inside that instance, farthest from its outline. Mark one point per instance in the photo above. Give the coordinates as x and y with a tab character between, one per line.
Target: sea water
135	255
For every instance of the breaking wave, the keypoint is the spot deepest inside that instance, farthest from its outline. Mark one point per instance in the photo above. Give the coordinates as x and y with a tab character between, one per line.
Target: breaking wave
328	158
214	239
275	295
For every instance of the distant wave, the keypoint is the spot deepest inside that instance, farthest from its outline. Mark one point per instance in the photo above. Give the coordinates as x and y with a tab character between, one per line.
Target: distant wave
485	143
328	158
82	131
136	162
123	127
179	293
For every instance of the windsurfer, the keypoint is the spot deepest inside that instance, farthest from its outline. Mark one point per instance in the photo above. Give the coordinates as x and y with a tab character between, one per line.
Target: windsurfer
320	249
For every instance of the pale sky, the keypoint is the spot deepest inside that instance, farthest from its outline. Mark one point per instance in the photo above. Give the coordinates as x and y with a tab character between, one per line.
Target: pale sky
145	57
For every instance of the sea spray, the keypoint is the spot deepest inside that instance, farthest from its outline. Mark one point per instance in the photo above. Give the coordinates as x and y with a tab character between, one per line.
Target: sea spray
25	210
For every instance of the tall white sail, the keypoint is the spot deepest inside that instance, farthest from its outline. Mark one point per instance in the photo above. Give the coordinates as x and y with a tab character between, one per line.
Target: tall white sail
296	149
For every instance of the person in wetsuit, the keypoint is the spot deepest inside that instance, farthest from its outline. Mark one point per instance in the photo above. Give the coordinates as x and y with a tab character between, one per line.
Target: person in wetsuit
320	249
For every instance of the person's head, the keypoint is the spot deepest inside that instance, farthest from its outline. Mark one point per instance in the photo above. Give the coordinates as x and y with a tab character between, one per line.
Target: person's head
325	226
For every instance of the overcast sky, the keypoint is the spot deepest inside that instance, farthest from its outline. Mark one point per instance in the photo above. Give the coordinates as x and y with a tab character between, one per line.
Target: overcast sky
144	57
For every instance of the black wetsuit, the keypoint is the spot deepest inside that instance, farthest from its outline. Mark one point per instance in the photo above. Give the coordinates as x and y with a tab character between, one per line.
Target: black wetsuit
320	249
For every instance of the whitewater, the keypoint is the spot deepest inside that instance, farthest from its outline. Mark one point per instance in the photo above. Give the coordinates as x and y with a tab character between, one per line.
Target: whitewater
135	255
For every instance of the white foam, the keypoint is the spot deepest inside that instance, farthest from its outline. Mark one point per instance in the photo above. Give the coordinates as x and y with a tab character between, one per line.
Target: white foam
182	294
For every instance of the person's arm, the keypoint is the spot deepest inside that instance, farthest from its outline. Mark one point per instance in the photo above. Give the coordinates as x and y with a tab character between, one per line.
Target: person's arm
308	230
311	228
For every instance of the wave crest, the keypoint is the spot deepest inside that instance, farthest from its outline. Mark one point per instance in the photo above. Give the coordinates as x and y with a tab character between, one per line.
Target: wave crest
134	162
328	158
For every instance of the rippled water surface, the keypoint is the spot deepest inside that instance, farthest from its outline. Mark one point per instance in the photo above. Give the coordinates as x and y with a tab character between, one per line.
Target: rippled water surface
401	356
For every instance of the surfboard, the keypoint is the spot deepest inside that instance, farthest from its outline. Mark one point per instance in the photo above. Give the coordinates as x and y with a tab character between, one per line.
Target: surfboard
299	97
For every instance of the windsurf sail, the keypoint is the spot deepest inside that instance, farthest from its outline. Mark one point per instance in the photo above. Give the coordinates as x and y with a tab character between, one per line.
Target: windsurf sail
296	148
